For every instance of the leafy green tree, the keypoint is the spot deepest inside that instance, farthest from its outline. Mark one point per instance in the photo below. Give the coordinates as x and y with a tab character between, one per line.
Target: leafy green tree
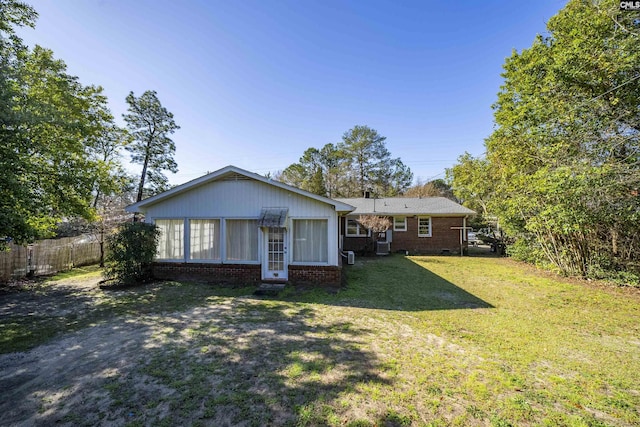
471	182
14	14
49	122
150	125
563	165
313	170
106	150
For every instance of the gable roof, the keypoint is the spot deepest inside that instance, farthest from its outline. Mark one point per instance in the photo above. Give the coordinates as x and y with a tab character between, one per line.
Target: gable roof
400	206
232	172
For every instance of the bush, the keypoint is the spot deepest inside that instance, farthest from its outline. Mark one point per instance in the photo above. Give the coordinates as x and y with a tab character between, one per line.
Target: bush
130	253
526	249
605	268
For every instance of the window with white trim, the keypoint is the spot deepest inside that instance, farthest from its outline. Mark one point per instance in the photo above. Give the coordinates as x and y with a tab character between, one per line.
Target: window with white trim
310	240
399	223
424	226
204	239
171	241
355	229
242	239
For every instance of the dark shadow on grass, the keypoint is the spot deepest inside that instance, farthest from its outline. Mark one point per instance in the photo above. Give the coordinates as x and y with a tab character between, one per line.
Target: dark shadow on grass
395	283
241	362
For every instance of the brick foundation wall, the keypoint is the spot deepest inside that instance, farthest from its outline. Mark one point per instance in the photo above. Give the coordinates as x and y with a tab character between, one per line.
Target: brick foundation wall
248	274
321	275
203	272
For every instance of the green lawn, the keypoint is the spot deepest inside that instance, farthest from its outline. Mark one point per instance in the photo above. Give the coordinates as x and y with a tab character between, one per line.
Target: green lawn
411	341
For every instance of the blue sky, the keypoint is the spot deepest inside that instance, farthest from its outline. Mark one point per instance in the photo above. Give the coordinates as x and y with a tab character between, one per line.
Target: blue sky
255	83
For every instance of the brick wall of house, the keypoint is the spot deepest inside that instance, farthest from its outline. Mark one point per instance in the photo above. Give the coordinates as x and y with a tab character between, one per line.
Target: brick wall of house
244	273
442	239
356	244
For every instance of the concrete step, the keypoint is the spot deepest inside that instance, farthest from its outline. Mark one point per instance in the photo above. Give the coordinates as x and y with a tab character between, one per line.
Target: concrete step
269	288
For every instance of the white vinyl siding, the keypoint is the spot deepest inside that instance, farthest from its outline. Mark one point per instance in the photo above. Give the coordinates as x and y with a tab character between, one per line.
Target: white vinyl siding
241	200
310	240
242	240
399	223
171	241
424	226
355	229
204	239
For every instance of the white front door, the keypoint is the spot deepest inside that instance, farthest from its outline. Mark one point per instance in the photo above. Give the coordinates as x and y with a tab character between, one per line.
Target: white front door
274	263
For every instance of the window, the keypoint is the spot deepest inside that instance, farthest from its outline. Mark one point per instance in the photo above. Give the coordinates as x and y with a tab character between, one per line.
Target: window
355	229
171	242
204	239
242	239
399	223
310	240
424	226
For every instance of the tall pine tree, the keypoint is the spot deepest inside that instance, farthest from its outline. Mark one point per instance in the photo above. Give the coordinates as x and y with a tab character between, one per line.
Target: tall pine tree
150	125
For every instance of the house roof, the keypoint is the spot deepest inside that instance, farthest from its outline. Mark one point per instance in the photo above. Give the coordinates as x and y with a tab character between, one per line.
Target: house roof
399	206
237	173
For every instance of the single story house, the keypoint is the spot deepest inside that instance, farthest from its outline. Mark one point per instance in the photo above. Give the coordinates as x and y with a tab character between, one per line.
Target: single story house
428	225
236	226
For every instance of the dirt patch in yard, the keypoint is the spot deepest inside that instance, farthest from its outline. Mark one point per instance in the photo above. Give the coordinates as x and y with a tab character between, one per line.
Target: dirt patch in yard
44	385
229	361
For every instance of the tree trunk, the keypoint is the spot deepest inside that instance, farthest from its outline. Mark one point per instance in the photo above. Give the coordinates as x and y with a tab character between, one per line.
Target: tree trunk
143	176
101	253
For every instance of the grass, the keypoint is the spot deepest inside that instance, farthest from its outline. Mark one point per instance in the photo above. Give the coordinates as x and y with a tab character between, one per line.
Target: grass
412	341
84	271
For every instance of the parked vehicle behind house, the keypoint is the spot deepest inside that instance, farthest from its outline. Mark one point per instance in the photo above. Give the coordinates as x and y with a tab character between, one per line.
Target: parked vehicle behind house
473	238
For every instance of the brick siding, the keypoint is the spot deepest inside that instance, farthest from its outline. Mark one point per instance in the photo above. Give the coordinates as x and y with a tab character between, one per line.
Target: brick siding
443	238
322	275
248	274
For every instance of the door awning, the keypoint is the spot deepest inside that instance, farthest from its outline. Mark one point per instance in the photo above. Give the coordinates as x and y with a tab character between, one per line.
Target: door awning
273	217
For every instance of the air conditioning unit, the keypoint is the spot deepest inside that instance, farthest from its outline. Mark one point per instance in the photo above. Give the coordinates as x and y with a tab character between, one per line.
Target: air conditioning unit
383	248
351	258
